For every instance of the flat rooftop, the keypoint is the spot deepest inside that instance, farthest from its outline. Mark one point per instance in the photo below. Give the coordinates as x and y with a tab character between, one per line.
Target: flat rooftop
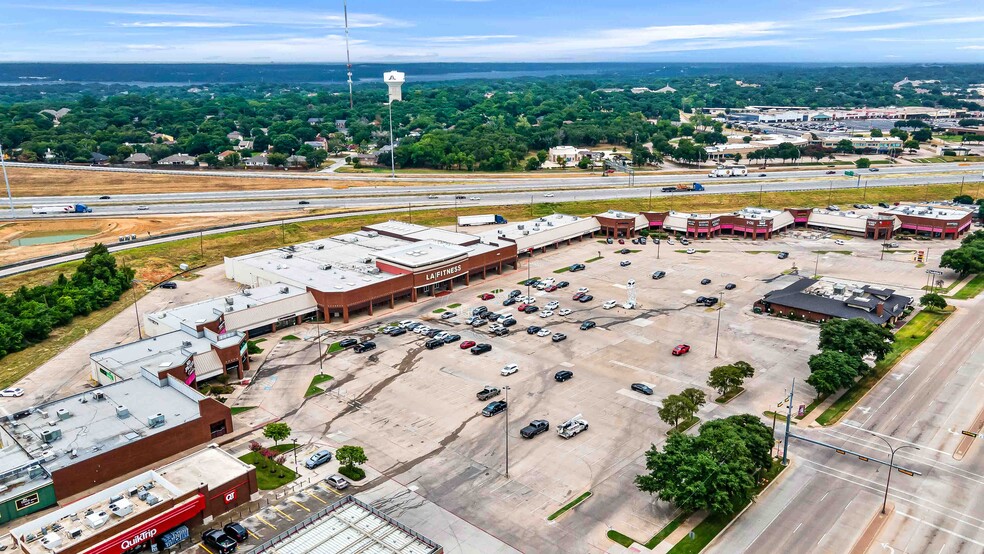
19	472
350	526
423	253
414	232
156	354
211	309
515	230
211	466
131	499
617	214
90	424
941	212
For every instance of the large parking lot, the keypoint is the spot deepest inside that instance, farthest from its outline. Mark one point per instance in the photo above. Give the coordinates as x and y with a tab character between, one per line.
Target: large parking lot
416	412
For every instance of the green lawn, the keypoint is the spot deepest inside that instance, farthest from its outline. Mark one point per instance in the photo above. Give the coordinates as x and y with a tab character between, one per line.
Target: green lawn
439	311
595	259
291	337
780	418
844	252
762	252
562	270
453	306
241	409
268	472
627	541
907	338
971	289
569	505
334	347
281	448
706	530
313	388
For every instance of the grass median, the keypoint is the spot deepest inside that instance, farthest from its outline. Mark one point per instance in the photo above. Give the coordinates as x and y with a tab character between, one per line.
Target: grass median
971	289
570	505
911	335
627	541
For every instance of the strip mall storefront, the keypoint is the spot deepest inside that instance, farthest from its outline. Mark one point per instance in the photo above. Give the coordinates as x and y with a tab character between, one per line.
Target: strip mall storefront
141	536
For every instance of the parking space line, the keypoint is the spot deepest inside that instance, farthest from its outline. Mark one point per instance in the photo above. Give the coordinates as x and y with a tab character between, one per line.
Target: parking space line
317	497
205	548
301	505
268	524
283	513
252	534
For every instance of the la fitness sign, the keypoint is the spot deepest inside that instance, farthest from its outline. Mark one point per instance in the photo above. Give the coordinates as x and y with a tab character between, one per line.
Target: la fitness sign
441	273
139	538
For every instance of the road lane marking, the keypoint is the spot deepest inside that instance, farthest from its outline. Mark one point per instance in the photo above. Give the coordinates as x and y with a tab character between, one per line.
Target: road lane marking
301	505
268	524
283	513
800	524
914	518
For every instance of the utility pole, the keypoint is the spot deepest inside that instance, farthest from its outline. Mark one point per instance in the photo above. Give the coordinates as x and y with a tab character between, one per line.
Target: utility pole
456	214
891	466
296	472
409	212
761	187
3	165
830	191
392	148
650	199
136	312
506	388
321	363
789	417
779	405
531	205
717	333
865	195
283	232
961	185
816	268
529	261
201	244
659	243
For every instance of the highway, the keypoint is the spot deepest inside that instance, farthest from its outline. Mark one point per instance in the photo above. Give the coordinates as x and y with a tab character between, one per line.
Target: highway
827	500
488	192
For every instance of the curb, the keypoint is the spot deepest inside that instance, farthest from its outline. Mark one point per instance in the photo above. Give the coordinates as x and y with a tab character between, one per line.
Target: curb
871	531
724	530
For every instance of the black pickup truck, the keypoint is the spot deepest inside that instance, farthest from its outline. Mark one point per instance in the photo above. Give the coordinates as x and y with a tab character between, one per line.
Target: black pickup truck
535	427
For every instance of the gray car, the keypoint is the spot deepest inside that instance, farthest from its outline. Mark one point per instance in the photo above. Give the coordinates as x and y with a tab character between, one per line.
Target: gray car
337	482
319	457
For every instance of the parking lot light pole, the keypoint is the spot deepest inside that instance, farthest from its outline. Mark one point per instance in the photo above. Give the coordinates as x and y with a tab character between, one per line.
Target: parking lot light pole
718	332
891	466
506	388
321	363
296	472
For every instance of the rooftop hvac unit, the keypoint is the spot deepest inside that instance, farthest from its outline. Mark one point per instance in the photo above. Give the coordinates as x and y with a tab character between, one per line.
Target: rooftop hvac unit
50	435
319	247
132	491
247	292
372	234
367	260
63	414
51	541
142	495
229	300
151	499
526	232
155	421
373	271
286	256
839	288
543	219
550	224
44	414
98	396
284	290
228	308
75	533
324	267
122	412
353	239
186	344
97	519
121	508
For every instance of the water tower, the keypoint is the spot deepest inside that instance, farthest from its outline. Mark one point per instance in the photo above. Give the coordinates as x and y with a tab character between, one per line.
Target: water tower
394	80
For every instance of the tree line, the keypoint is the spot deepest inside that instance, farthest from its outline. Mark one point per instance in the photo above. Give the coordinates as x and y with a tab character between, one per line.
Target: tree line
29	314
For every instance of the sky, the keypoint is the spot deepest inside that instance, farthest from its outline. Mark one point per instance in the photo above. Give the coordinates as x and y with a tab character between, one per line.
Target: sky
283	31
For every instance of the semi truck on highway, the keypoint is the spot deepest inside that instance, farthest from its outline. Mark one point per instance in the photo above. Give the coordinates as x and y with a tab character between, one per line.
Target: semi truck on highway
684	188
733	171
488	219
62	209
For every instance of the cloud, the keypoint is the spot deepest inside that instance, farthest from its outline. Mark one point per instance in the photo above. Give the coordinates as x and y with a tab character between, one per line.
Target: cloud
145	47
470	38
971	47
182	24
915	23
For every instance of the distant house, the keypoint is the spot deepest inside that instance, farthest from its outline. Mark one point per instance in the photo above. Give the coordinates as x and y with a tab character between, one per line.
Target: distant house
315	120
235	136
259	160
317	144
98	159
341	124
569	154
137	158
178	159
639	90
665	90
244	145
296	161
162	138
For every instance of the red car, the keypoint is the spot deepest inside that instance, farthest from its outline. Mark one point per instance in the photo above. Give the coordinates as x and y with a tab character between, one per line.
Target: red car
681	349
467	344
551	288
487	296
522	306
577	296
621	241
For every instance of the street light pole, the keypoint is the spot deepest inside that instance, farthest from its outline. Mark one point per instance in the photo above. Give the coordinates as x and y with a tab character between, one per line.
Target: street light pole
321	366
3	166
296	472
718	332
816	268
392	149
506	388
891	466
789	417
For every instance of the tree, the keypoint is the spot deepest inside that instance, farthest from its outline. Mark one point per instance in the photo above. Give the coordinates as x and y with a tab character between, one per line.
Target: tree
351	456
746	139
532	164
911	145
562	160
696	397
862	163
831	371
542	156
922	135
209	159
584	162
737	157
876	132
727	378
675	408
844	146
277	159
232	160
963	199
276	432
711	471
933	300
316	157
856	337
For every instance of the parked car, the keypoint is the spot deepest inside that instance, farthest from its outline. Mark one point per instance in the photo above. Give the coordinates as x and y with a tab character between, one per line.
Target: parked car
531	309
583	289
681	349
514	293
621	241
730	286
318	458
873	169
659	274
585	298
17	391
624	251
451	338
467	344
839	242
563	285
479	322
219	542
508	321
644	389
705	281
236	531
398	331
509	370
532	329
609	304
577	267
364	347
557	337
783	255
587	325
481	348
348	343
551	288
578	295
337	482
509	301
488	392
169	285
624	263
883	205
701	299
563	375
546	313
565	311
448	315
691	251
609	240
710	301
487	296
494	407
543	332
433	343
552	305
535	427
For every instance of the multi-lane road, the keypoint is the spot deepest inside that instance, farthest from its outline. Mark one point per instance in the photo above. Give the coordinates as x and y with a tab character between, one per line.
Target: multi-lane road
379	192
828	499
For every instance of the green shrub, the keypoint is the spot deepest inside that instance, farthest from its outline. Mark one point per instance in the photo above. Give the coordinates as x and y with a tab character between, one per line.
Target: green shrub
354	473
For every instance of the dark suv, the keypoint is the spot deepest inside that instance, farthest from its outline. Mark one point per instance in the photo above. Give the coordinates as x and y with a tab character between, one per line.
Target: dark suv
434	343
364	347
169	285
236	531
481	348
217	541
563	375
348	343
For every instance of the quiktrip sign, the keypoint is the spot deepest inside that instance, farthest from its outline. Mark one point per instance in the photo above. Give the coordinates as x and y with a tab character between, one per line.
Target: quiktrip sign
148	530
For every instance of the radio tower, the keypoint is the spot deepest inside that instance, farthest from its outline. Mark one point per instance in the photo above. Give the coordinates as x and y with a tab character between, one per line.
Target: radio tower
348	58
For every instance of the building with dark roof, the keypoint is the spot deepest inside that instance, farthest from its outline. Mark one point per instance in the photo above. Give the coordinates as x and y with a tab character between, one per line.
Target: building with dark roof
819	301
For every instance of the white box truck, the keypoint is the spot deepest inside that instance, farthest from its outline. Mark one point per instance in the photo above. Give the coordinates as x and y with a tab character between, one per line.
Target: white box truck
487	219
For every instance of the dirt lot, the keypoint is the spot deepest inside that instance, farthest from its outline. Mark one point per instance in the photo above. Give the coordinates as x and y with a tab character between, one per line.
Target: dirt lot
415	409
